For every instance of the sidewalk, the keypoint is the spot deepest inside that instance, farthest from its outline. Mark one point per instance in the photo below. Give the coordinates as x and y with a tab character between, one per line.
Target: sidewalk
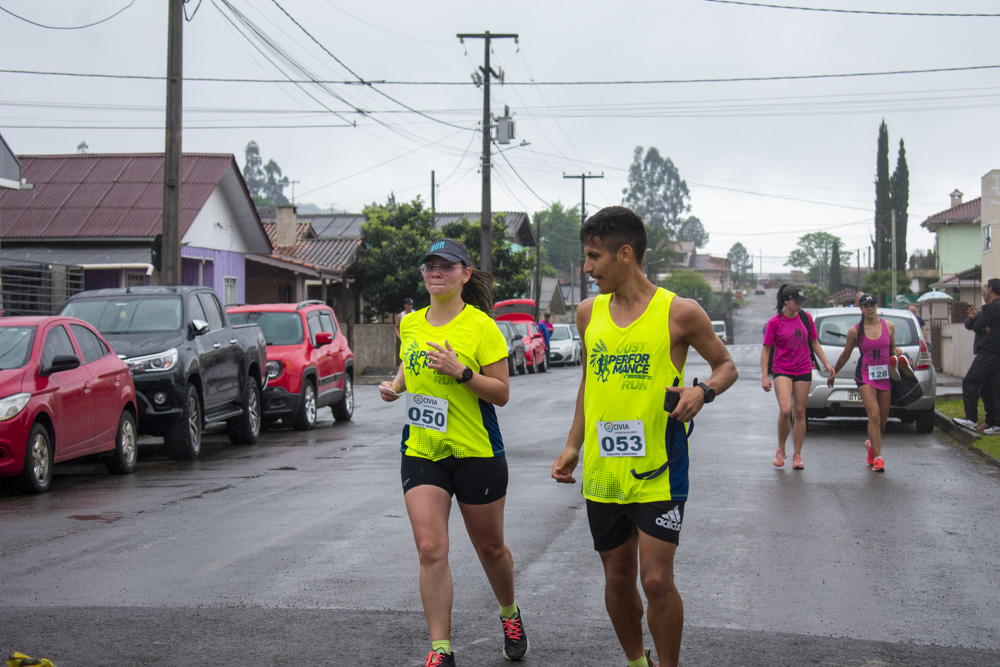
949	387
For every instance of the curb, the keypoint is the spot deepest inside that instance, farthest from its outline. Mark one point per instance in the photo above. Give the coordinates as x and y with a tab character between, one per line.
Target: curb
962	436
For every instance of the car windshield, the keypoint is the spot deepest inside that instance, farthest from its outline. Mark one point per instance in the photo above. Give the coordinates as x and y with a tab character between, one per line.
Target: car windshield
521	328
720	327
278	328
128	314
832	329
15	346
561	333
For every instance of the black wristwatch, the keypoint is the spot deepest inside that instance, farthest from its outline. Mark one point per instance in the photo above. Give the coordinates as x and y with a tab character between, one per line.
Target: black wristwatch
467	375
709	392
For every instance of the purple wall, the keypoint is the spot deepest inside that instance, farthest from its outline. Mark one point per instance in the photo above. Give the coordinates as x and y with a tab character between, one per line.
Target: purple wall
219	264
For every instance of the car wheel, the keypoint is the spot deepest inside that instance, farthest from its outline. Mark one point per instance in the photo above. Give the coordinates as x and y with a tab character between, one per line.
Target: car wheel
543	365
306	418
344	409
534	365
524	365
122	460
924	423
510	366
36	476
243	430
183	441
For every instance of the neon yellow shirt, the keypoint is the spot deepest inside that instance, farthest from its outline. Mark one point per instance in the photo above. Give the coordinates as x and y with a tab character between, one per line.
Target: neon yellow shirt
628	372
472	427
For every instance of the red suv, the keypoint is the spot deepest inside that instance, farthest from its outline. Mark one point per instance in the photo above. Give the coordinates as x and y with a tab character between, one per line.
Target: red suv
309	363
63	394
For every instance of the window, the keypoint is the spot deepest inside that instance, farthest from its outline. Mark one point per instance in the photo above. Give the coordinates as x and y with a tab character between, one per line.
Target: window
327	319
232	294
211	306
312	320
987	237
91	347
56	342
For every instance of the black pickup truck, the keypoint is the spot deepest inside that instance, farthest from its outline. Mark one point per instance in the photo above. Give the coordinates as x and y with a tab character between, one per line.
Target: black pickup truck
190	365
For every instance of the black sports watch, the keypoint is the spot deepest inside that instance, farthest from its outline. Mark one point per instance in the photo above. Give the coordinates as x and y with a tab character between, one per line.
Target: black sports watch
709	392
467	375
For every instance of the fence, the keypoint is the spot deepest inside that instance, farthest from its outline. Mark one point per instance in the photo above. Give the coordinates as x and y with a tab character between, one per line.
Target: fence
30	288
375	349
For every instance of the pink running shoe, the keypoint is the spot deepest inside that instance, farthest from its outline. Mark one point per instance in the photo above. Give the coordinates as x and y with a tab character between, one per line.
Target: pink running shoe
871	454
779	458
879	465
797	463
905	368
893	371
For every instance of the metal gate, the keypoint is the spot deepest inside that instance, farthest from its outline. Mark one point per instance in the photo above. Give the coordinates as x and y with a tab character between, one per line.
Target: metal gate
936	343
30	288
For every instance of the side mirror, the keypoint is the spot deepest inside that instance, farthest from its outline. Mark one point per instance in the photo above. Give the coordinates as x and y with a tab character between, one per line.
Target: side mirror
324	338
199	327
61	362
537	335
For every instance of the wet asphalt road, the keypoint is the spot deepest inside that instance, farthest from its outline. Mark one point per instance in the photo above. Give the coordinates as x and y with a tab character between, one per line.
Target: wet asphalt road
297	550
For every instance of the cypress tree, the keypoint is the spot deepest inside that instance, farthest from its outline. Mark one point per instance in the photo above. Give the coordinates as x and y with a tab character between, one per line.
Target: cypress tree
835	268
900	194
883	201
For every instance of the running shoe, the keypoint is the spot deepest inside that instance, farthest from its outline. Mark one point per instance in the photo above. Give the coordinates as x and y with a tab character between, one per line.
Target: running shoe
797	463
965	423
879	465
871	452
436	659
515	641
649	658
905	368
893	371
779	458
992	430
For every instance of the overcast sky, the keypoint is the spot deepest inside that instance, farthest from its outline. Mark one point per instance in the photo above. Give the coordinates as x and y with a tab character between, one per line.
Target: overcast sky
765	161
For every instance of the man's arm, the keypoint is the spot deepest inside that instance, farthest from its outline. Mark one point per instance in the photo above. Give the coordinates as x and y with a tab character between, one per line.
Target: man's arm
987	317
694	328
565	463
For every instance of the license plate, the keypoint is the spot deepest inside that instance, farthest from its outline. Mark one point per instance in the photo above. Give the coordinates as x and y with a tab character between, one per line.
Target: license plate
854	396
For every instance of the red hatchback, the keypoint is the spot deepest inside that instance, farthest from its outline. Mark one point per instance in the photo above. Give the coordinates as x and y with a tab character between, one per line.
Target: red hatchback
63	394
309	363
520	313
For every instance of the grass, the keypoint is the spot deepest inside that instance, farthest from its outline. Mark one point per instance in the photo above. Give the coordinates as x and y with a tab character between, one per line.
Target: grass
990	444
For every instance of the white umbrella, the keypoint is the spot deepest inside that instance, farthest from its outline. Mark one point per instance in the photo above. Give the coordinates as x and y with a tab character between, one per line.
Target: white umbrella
935	295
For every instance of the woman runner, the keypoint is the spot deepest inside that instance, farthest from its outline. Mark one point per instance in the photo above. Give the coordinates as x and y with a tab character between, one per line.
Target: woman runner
790	337
454	369
876	339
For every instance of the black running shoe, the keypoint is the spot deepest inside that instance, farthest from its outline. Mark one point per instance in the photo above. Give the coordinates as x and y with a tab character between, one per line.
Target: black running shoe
515	641
435	659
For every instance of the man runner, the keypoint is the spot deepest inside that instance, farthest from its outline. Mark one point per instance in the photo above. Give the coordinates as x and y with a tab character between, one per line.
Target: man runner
635	460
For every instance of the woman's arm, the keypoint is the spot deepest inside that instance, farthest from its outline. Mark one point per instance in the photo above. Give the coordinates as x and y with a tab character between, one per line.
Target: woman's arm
852	338
492	383
892	339
818	349
765	356
390	391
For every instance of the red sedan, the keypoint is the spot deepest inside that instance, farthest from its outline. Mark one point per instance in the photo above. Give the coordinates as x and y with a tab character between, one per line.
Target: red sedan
63	394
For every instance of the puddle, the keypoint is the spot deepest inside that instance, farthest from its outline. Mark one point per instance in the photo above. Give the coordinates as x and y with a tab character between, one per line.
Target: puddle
105	517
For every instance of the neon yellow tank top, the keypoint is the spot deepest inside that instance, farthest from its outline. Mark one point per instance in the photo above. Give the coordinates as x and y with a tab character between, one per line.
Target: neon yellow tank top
628	372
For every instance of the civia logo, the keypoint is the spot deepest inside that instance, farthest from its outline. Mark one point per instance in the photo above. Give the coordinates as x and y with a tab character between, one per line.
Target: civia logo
609	427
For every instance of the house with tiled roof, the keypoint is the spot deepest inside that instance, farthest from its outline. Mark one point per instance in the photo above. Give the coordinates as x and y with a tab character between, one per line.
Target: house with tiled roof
93	217
958	235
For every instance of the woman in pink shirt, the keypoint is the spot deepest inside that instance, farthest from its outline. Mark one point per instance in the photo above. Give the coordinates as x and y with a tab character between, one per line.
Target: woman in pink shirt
876	340
789	336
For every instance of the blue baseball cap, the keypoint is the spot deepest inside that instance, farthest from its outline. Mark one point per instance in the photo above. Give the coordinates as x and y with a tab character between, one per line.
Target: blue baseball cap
447	249
867	298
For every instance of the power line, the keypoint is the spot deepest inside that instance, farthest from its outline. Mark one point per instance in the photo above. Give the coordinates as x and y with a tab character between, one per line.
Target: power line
624	82
853	11
530	189
73	27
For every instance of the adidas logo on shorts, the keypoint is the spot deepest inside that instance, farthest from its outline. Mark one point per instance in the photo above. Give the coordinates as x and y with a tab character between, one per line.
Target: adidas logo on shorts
671	520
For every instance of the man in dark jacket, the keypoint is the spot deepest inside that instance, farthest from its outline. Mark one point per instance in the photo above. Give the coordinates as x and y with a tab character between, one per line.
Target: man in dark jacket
983	376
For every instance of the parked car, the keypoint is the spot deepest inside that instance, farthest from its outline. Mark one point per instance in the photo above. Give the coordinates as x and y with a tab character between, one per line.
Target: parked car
759	289
520	314
516	362
564	347
190	364
843	399
309	363
719	326
63	394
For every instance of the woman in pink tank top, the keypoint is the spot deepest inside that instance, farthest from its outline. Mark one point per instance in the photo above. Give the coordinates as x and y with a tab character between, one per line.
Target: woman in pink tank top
875	339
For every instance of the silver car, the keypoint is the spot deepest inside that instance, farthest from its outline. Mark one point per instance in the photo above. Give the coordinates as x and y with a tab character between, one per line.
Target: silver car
843	400
565	347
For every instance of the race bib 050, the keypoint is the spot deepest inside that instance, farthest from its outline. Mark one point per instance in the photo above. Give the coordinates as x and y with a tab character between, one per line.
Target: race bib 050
427	411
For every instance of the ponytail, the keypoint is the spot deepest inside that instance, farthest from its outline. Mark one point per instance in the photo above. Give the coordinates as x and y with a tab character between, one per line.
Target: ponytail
781	298
479	291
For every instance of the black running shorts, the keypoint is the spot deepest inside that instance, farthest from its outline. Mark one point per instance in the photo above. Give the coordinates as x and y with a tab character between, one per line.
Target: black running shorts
804	377
612	524
473	480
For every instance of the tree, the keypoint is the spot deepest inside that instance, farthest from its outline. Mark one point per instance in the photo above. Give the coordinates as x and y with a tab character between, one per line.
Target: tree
692	230
560	237
264	182
883	200
870	283
656	192
393	239
691	285
816	296
740	266
899	186
813	255
512	268
836	268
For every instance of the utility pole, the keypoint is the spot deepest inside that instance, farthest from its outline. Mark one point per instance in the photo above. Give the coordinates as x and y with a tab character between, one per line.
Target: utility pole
892	213
583	218
486	217
293	190
433	192
171	229
538	266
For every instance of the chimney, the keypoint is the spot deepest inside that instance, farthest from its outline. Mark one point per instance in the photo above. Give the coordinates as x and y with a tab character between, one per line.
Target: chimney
956	198
287	225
